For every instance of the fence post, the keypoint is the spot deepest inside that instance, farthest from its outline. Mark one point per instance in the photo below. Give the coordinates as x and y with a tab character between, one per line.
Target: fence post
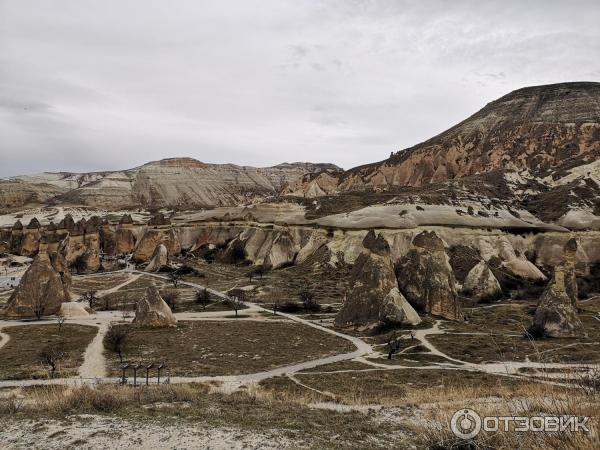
159	367
135	368
124	368
147	371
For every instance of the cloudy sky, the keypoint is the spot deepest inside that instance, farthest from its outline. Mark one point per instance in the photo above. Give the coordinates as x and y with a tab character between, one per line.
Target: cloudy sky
99	85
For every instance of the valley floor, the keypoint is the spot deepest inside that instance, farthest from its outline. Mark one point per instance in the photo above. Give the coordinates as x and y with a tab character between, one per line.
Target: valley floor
265	380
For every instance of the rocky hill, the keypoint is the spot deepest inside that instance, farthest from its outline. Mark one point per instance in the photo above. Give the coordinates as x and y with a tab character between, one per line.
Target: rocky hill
175	182
542	129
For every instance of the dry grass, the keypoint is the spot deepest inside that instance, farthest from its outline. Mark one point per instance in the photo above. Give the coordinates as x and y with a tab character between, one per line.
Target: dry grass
97	282
283	284
398	387
226	348
427	399
19	356
310	428
495	347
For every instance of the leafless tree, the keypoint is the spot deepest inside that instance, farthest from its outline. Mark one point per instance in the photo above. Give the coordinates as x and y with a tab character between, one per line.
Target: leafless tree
307	297
236	304
174	277
60	320
91	297
115	340
39	305
203	298
171	298
393	345
51	355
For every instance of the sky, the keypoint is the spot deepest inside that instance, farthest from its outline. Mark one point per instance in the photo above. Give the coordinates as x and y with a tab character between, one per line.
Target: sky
105	85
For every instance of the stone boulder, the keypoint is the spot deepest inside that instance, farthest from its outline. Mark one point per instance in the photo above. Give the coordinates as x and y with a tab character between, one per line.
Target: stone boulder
426	279
73	310
396	309
153	312
160	258
42	290
372	296
481	284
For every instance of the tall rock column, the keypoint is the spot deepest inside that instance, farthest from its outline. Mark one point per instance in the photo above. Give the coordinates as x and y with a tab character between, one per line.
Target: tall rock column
426	278
556	314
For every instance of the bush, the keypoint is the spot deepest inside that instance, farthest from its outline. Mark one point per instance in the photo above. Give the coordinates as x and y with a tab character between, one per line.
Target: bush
290	307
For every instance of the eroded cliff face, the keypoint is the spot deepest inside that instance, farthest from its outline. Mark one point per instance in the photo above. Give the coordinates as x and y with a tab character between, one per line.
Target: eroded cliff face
174	182
523	256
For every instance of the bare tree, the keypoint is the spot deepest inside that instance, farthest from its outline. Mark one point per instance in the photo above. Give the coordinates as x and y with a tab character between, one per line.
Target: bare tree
115	340
51	355
39	305
91	297
174	278
236	304
307	297
171	298
203	298
60	320
257	271
393	345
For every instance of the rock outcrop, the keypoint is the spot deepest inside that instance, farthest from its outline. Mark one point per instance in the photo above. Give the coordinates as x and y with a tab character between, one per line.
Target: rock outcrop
282	251
150	240
426	278
160	258
73	310
373	294
481	284
153	312
42	289
556	314
396	309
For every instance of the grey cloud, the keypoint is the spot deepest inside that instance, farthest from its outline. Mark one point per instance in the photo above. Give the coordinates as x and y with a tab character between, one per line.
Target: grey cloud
106	85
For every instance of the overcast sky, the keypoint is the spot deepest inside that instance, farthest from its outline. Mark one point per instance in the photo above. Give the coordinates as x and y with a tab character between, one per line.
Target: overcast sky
99	85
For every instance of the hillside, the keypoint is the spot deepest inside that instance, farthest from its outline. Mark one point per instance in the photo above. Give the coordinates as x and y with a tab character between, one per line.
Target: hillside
541	129
175	182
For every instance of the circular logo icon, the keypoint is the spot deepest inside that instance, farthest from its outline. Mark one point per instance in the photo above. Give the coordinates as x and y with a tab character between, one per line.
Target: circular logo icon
465	423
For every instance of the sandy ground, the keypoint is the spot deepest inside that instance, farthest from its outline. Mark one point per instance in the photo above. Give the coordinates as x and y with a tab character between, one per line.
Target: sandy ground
97	432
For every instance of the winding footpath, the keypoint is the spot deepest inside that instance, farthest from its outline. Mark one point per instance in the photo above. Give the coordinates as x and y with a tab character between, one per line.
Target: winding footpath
93	370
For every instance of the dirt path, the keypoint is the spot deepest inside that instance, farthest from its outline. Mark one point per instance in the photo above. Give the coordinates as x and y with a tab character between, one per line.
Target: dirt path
93	368
94	363
120	286
4	338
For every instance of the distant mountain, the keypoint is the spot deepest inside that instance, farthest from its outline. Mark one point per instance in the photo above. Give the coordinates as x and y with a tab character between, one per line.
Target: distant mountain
174	182
543	129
